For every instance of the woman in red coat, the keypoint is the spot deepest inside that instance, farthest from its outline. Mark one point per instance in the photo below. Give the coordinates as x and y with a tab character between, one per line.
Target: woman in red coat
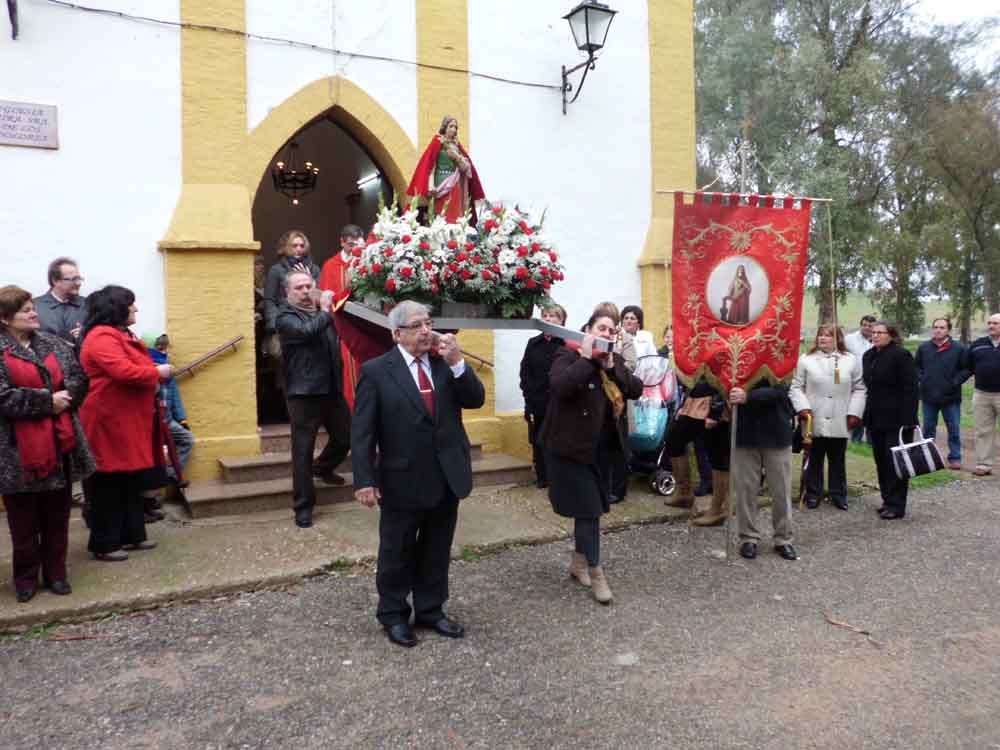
120	422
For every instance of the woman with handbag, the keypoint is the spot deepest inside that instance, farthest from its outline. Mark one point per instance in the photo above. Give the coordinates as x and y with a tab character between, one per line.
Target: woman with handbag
828	387
890	376
582	427
43	450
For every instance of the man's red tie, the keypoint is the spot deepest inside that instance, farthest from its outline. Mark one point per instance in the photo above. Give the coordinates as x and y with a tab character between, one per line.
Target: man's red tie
426	389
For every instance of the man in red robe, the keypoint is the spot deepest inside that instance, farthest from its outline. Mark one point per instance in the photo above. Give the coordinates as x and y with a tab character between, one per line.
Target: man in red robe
335	277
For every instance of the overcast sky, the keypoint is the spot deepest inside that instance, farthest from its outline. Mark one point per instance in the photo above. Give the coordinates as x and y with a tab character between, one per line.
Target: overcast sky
960	11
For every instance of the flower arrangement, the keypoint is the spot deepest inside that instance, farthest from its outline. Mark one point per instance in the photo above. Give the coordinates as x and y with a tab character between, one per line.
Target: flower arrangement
508	265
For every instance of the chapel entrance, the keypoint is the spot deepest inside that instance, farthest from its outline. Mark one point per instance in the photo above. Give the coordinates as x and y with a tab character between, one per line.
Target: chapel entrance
348	189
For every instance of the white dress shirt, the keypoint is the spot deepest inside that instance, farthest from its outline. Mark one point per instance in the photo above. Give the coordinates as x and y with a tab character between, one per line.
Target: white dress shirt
425	362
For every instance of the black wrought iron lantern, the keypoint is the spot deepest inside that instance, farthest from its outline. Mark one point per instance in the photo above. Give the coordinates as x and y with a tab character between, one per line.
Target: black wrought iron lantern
589	22
292	179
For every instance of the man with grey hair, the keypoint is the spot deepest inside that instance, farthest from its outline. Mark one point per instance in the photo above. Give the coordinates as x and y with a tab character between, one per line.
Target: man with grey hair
411	456
311	353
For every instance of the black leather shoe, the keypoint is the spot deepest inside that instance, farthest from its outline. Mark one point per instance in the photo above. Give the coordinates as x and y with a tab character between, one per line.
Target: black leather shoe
787	551
401	634
890	515
542	484
444	626
60	588
332	477
304	518
612	499
881	509
25	595
840	502
812	503
748	550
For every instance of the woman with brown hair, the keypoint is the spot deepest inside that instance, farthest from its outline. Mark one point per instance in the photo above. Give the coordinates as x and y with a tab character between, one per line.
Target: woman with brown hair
829	388
293	255
583	424
890	376
43	450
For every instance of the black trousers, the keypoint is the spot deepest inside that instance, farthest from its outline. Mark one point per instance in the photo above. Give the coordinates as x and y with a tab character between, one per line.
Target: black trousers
893	488
306	414
116	511
537	452
832	451
587	539
684	430
414	554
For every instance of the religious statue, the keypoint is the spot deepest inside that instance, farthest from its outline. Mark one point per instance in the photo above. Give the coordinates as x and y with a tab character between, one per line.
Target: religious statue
736	304
445	176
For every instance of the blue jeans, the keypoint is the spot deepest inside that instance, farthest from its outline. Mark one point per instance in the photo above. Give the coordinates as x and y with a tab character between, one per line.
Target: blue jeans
952	413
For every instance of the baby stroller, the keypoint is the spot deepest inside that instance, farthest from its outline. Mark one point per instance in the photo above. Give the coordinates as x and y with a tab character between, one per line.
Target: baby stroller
648	418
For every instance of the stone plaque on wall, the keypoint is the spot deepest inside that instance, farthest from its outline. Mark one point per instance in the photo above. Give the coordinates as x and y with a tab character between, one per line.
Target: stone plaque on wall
27	124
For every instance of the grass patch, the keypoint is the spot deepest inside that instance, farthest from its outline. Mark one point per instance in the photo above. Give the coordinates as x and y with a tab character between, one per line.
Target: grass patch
931	480
470	553
860	449
41	632
340	565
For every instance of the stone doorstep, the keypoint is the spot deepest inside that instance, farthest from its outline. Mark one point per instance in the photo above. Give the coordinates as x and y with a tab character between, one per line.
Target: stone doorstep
278	465
217	497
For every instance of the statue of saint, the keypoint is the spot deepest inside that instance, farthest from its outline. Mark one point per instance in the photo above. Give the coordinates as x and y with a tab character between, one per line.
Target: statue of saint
445	176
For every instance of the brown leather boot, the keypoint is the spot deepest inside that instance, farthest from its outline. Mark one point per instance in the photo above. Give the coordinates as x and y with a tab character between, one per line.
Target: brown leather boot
599	585
578	569
683	497
716	514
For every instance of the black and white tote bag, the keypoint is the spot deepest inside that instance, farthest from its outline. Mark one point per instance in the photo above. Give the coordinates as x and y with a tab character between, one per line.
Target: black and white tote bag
917	458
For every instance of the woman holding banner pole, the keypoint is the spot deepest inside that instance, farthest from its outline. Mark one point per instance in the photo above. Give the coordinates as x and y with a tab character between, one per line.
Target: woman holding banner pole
890	375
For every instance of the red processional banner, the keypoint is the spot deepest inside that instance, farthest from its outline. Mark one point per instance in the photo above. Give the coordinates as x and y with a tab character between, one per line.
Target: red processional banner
738	274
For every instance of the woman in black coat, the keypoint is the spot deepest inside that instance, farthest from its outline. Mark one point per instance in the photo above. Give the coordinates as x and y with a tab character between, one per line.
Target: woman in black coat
535	366
890	376
583	425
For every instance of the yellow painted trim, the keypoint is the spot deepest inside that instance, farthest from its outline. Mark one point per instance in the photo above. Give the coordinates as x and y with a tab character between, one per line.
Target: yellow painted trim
352	108
194	245
672	145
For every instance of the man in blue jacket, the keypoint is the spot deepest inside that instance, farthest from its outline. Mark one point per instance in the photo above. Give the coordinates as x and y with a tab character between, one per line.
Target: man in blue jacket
941	370
984	362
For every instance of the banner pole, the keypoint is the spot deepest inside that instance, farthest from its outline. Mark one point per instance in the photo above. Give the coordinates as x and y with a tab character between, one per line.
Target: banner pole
730	546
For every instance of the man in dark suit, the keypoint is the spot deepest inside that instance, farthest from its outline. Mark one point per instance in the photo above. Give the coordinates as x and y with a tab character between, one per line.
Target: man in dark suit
408	409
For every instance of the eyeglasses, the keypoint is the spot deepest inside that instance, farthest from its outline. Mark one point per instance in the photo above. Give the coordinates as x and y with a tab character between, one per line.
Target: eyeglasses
428	324
880	333
74	279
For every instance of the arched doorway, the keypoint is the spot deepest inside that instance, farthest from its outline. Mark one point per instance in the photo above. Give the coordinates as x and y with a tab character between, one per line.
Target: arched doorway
350	186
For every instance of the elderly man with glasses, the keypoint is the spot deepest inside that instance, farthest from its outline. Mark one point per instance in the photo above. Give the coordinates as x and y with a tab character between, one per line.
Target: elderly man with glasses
408	412
62	309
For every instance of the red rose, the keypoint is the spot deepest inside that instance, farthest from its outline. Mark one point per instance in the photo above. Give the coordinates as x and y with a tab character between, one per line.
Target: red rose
460	257
535	247
376	267
428	265
529	232
466	274
553	256
425	246
489	225
470	246
496	268
524	225
406	272
372	240
452	245
497	210
546	283
523	251
363	270
521	273
530	284
406	239
390	286
356	252
486	275
543	271
476	259
453	267
496	252
388	252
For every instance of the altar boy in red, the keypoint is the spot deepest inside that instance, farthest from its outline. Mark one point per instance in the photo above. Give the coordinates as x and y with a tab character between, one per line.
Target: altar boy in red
334	277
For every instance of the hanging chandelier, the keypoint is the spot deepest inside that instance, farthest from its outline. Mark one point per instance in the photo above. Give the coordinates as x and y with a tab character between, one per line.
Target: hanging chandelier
292	179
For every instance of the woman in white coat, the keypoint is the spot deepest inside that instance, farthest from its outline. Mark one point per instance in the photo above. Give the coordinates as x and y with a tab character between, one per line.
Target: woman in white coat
828	386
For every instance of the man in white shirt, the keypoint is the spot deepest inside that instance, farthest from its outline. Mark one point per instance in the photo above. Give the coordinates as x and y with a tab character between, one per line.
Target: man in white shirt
857	344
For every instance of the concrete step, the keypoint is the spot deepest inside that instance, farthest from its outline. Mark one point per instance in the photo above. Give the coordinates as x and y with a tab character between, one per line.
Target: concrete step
278	465
216	497
277	438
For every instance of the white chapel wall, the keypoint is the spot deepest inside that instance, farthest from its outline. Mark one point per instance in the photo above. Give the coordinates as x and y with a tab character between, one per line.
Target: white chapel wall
590	169
107	194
